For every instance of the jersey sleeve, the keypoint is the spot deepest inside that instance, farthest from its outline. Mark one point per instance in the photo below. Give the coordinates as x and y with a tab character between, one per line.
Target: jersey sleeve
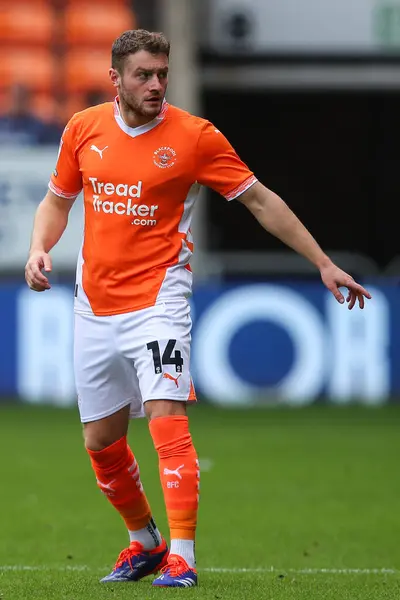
218	165
66	179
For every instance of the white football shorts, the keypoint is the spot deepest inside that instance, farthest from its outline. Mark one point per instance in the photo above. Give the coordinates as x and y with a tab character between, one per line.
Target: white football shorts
132	358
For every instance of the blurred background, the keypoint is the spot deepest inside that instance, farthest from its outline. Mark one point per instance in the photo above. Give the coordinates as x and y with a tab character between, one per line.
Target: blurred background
308	93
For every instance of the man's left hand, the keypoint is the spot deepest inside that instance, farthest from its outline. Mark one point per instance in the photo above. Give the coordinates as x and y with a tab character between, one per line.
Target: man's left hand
334	278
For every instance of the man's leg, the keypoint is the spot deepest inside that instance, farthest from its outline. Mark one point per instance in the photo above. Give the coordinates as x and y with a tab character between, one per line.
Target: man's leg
107	393
180	480
160	353
117	475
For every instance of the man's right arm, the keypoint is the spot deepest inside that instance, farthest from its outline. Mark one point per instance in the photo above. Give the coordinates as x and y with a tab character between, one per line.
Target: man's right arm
51	219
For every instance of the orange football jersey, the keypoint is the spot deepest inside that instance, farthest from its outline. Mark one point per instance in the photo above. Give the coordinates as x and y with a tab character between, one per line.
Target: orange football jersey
139	186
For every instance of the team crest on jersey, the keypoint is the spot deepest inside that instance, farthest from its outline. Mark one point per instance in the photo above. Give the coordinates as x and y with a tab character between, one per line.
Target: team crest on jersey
164	157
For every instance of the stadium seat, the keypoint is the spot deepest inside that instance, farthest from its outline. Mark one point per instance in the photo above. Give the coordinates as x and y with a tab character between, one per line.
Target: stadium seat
79	101
4	103
88	24
34	67
42	105
26	22
73	104
46	107
125	3
87	70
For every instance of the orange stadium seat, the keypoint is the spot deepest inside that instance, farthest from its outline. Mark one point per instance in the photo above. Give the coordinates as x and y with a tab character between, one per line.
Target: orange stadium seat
125	3
73	103
33	67
4	102
87	69
90	24
79	101
46	107
26	22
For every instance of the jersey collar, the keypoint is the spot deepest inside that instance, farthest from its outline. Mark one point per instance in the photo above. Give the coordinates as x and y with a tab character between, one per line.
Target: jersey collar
135	131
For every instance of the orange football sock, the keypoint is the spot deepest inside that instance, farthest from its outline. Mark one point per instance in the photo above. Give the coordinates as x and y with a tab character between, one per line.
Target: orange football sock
179	473
117	474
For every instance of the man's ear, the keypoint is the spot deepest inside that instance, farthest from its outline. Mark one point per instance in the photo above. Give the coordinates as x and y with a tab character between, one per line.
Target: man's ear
114	76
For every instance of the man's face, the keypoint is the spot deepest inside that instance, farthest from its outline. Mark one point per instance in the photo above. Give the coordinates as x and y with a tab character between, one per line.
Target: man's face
143	82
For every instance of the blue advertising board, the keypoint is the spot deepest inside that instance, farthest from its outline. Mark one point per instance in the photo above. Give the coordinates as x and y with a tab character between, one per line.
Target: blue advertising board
255	343
294	343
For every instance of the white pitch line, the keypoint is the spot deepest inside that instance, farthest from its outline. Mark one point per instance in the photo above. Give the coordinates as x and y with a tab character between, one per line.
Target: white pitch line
304	571
60	569
309	571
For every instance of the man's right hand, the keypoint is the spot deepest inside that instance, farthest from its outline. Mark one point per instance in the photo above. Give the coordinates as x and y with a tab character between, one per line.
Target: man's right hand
34	277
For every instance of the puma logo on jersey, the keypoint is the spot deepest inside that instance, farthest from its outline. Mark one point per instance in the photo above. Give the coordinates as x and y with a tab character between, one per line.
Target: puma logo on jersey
96	149
168	376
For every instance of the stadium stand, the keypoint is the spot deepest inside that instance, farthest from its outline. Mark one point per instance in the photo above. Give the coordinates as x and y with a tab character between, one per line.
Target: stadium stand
60	50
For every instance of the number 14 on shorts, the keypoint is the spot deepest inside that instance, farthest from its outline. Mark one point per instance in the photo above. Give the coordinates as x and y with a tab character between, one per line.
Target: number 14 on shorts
170	356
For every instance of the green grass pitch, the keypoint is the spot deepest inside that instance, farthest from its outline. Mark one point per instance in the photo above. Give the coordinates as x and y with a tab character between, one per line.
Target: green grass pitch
296	504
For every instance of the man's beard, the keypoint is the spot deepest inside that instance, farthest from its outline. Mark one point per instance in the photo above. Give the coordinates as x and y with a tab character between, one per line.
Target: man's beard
139	108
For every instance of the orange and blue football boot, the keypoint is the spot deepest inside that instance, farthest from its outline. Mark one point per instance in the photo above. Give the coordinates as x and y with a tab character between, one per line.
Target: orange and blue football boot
135	562
176	573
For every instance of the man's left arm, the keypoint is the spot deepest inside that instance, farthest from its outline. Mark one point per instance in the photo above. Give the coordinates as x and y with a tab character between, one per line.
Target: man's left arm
277	218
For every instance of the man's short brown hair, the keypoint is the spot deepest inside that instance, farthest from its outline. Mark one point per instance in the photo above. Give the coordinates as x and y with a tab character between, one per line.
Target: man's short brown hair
133	41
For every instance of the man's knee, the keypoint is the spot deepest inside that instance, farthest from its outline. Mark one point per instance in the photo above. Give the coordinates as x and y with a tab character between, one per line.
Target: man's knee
164	408
105	432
